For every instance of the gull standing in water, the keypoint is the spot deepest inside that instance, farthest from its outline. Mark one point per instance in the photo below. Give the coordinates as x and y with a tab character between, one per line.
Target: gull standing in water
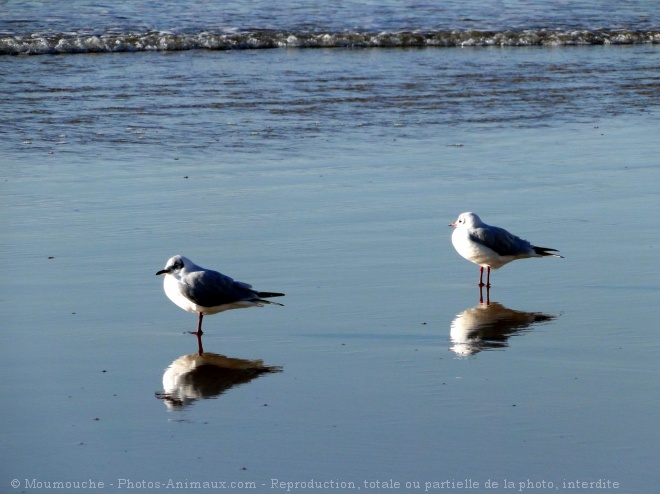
491	246
207	292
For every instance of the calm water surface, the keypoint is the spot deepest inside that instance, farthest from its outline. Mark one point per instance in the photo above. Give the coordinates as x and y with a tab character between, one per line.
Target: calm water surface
331	175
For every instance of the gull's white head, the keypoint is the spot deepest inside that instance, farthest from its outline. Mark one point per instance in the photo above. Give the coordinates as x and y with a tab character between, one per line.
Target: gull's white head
175	265
467	220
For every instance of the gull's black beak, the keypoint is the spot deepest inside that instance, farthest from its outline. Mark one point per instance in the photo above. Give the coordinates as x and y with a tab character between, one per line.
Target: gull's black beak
162	271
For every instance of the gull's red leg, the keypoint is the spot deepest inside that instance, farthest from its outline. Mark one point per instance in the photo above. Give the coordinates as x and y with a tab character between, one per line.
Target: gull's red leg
481	293
199	326
487	276
481	276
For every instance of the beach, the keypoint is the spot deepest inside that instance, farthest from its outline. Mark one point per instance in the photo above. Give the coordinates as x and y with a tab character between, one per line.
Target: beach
331	175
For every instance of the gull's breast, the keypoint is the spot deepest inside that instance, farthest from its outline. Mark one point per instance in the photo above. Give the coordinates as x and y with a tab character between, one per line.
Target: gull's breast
172	287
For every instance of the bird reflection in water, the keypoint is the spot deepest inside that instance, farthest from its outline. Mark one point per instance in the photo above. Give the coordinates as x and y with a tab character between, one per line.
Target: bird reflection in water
207	375
490	325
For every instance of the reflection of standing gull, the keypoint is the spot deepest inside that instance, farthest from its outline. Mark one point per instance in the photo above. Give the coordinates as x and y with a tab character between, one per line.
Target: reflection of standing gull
489	326
491	246
207	292
193	377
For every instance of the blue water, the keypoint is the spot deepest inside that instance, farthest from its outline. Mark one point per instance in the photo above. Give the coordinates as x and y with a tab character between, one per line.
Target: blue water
331	175
390	15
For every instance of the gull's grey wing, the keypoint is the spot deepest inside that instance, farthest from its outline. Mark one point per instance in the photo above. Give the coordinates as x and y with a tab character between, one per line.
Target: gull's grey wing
501	241
210	289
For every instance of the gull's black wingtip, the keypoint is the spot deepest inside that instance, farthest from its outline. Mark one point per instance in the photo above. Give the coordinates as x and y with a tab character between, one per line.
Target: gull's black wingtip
269	294
545	251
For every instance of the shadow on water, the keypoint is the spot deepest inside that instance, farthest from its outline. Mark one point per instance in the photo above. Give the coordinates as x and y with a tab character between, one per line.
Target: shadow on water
205	375
489	325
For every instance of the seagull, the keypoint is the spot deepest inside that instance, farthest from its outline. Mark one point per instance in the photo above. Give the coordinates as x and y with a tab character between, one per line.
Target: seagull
207	292
491	246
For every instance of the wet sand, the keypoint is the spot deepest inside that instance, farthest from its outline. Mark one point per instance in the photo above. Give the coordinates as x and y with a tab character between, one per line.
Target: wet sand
374	386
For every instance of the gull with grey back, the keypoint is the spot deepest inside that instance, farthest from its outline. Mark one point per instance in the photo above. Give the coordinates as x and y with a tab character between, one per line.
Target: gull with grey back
491	246
205	292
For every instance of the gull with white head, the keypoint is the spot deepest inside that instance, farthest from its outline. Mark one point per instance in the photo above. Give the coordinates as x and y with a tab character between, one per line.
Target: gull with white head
205	292
491	246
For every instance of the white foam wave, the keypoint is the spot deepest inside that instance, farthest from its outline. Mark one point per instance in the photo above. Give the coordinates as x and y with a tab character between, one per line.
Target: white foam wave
58	43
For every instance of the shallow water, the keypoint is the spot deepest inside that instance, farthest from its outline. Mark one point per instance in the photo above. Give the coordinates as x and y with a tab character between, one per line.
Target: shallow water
334	183
376	15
